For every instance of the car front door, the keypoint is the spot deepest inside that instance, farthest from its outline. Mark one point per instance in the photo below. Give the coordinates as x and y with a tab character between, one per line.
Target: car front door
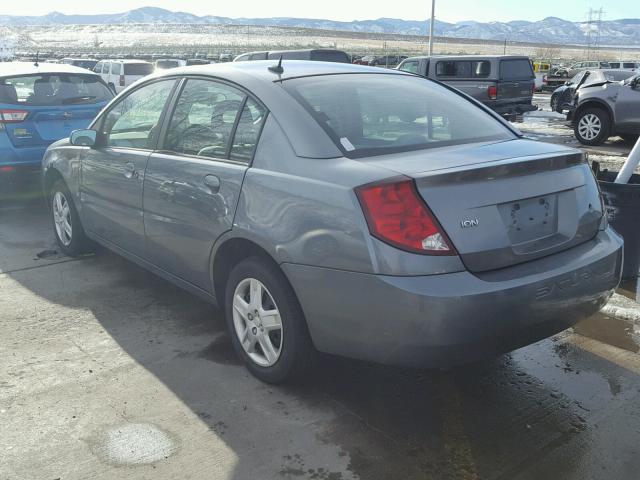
628	108
193	182
113	171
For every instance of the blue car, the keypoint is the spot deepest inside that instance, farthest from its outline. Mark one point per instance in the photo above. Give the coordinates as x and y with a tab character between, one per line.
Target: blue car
40	104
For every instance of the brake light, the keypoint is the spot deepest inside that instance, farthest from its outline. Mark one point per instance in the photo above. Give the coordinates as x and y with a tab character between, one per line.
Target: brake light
493	92
122	80
13	116
397	215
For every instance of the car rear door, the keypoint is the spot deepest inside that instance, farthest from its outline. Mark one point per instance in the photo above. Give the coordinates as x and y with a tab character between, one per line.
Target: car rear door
516	82
192	184
113	171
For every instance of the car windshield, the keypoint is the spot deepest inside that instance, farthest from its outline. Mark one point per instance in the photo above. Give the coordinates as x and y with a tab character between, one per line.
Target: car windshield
56	89
138	68
374	114
576	78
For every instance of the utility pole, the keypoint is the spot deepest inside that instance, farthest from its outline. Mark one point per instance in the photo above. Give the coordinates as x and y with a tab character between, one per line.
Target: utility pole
431	25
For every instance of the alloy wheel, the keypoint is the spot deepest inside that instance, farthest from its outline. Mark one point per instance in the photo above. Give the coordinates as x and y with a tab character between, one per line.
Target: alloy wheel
257	322
589	126
62	218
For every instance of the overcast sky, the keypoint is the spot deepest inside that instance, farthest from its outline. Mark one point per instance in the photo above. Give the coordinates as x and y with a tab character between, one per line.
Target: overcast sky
447	10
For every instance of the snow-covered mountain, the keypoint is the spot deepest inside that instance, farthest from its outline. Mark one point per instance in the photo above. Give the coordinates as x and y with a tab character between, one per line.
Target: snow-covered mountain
549	30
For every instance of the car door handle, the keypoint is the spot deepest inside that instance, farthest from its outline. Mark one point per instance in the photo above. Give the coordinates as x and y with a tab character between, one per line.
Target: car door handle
213	182
130	170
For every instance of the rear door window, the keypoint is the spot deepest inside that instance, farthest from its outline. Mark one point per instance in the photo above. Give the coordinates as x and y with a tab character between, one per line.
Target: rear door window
248	130
58	89
138	68
516	69
204	119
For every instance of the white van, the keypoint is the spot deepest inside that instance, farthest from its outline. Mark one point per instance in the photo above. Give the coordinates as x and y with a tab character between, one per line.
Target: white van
119	74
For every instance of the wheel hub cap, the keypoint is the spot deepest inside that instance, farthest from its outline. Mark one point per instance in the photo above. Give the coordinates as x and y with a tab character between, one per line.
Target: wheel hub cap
62	218
257	322
589	126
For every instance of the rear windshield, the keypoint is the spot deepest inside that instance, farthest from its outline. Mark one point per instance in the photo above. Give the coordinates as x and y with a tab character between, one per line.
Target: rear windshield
88	64
374	114
138	68
163	64
328	56
54	89
517	69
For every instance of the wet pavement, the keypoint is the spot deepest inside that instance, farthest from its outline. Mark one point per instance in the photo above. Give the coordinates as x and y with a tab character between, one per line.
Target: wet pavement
110	372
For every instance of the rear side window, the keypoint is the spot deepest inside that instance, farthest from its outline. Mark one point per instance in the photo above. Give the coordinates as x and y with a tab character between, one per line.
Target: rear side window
203	121
517	69
248	131
329	56
464	69
57	89
628	65
98	68
411	66
138	68
374	114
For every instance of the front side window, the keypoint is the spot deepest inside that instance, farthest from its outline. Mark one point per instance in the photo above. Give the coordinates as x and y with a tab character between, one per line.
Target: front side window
134	121
204	118
374	114
411	67
58	89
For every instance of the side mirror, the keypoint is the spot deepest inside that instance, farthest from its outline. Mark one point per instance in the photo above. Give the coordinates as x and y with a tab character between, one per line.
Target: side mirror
83	138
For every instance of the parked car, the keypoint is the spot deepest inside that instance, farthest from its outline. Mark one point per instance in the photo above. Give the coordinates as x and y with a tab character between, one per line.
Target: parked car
198	61
611	109
119	74
166	63
88	63
321	55
360	212
562	97
40	104
364	60
625	65
389	61
571	71
503	83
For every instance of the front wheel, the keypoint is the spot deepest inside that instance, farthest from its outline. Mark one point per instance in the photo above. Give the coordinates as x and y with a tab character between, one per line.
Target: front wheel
67	228
592	126
266	322
554	103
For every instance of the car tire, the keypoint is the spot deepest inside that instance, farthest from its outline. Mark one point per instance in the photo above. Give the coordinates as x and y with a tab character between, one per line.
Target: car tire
67	229
592	126
554	103
629	138
293	353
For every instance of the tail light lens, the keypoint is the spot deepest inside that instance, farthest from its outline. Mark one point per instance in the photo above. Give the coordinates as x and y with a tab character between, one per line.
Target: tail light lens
13	116
493	92
397	215
122	80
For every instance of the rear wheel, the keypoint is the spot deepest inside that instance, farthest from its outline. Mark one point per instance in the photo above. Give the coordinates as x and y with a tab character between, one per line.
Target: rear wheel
67	229
592	126
554	103
266	322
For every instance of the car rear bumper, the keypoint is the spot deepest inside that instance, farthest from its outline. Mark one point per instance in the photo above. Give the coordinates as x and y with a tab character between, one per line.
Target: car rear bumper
23	157
443	320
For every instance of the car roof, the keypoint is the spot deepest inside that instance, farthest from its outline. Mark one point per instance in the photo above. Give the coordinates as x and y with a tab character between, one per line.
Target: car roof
469	57
30	68
242	72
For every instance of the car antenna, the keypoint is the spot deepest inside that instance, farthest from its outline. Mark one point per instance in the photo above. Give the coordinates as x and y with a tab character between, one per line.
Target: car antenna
277	68
36	64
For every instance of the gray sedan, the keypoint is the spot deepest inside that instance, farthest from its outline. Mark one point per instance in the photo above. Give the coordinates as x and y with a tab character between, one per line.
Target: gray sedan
341	209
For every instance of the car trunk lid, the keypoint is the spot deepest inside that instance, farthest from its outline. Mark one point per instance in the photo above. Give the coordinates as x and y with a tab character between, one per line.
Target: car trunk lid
500	207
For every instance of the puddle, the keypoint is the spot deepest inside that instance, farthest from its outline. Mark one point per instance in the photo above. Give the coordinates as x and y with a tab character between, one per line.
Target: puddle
612	331
135	444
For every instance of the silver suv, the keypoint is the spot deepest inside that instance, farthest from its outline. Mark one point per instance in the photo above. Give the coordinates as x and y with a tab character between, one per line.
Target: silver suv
605	110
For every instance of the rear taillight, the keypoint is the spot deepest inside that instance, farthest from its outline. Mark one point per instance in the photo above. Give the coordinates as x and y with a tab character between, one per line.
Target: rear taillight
397	215
122	80
493	92
13	116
